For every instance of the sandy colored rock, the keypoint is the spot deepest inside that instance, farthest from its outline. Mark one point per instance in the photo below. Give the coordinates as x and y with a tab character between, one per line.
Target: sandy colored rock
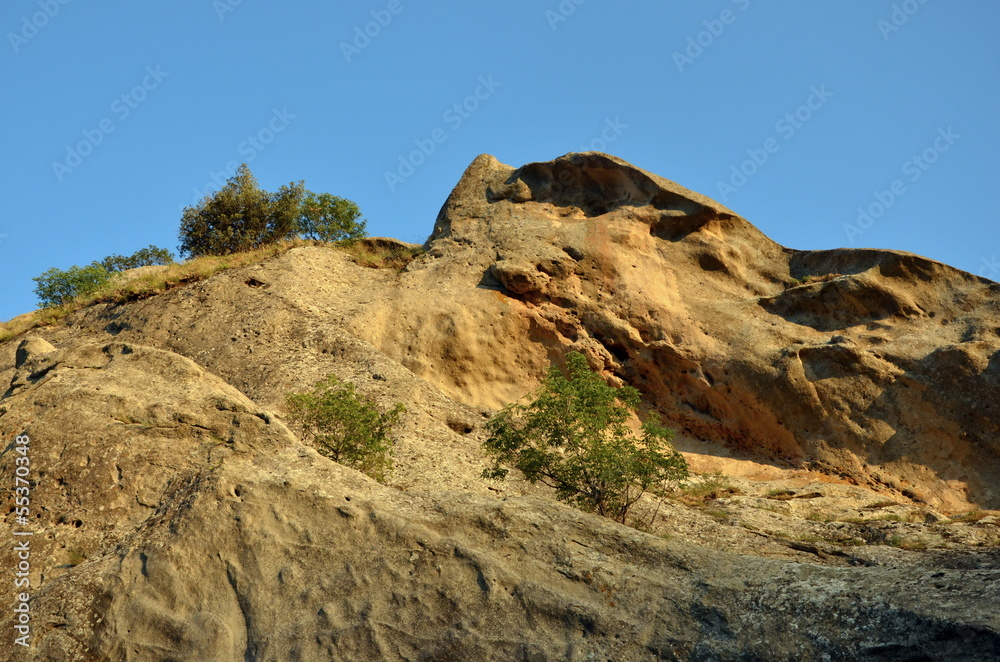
849	395
32	347
224	538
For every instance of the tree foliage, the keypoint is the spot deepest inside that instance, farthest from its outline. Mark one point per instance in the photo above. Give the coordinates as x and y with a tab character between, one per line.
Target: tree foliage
329	218
241	217
57	287
575	438
347	427
144	257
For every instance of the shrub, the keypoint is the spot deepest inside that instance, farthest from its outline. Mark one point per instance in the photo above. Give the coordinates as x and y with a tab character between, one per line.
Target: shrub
144	257
56	287
346	427
574	437
241	217
329	218
710	486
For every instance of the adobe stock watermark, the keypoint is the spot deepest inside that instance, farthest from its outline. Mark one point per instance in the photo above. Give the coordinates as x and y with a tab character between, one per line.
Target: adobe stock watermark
454	116
249	149
612	131
363	35
786	127
562	12
2	237
122	107
223	7
697	44
23	482
31	25
913	168
991	268
901	14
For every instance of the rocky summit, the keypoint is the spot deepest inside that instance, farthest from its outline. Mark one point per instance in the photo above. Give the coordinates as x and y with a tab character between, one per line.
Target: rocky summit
840	410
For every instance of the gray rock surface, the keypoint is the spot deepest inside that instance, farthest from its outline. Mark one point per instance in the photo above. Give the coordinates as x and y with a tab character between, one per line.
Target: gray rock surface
32	347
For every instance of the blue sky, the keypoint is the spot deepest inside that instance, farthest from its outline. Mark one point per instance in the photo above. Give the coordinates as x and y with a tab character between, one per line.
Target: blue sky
794	114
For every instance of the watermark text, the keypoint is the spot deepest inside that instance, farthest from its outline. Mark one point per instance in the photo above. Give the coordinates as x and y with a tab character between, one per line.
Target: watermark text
562	12
122	107
31	25
913	169
22	541
454	117
786	127
249	149
363	35
698	43
900	16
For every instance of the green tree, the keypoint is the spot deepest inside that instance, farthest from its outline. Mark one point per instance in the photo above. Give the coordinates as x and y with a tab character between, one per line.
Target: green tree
329	218
56	287
346	427
240	217
575	438
144	257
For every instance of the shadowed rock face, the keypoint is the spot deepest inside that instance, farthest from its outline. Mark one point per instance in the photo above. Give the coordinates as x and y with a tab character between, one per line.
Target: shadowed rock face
877	365
176	517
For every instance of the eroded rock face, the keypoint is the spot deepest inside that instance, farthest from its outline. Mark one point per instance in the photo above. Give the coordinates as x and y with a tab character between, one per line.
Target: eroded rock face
192	525
176	517
880	366
32	347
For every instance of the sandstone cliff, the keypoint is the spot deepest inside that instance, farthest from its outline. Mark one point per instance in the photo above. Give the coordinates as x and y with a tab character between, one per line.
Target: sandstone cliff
177	517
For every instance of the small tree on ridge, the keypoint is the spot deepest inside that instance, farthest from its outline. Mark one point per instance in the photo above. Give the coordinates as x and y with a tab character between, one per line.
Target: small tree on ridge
241	217
329	218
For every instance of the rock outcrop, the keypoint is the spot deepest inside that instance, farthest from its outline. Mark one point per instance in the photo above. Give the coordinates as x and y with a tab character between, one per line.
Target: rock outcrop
176	517
177	521
879	366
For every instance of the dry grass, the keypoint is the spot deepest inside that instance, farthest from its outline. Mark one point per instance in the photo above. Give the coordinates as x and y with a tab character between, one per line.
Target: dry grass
911	544
971	516
378	255
881	504
42	317
709	487
121	290
815	516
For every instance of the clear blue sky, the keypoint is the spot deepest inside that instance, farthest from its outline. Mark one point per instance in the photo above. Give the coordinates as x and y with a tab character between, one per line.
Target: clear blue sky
114	114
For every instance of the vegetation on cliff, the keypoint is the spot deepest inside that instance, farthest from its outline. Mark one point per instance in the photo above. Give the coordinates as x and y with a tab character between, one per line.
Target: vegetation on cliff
346	427
575	438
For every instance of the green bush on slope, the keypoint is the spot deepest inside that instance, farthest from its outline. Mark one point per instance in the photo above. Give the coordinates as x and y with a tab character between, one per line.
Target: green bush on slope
346	427
574	437
57	287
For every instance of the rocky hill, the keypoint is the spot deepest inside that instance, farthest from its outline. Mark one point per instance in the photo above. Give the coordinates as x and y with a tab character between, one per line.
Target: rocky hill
850	397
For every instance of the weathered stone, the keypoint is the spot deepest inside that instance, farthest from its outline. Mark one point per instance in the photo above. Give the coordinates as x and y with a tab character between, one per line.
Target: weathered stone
187	526
850	394
32	347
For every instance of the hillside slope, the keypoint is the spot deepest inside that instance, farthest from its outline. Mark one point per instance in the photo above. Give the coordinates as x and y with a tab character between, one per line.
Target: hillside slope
882	368
177	517
175	520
